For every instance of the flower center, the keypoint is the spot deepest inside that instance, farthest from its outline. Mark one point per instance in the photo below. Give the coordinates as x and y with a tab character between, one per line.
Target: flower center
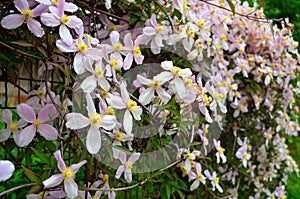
68	173
207	99
200	176
13	126
221	150
105	178
82	47
40	93
136	51
36	123
103	94
27	13
216	180
95	197
201	24
109	111
113	27
131	105
42	194
188	82
55	2
119	136
128	165
95	119
117	46
65	19
245	155
191	33
99	73
159	28
223	37
176	71
114	63
155	84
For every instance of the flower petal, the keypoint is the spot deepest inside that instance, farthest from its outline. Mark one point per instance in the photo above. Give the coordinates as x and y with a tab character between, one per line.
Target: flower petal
65	48
48	113
149	31
76	167
146	96
6	170
108	122
128	61
90	104
134	157
21	5
89	84
49	20
127	122
164	95
60	162
39	9
74	22
65	35
12	21
48	132
120	171
128	175
70	7
7	116
117	102
26	112
71	188
26	136
53	180
93	140
195	185
76	121
35	27
4	135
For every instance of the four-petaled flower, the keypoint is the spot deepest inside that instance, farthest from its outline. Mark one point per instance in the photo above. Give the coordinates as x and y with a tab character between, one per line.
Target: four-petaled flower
126	166
67	175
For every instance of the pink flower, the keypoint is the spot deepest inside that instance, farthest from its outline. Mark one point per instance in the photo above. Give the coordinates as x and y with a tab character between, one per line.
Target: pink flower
220	151
67	175
68	6
198	176
6	170
243	154
16	20
214	180
47	114
12	126
130	105
134	51
56	17
95	120
126	165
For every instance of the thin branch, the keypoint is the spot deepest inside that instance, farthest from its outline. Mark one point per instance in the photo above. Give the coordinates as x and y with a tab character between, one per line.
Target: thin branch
21	52
16	188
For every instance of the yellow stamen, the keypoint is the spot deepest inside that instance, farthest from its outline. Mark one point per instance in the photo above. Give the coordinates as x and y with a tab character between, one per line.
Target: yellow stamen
36	123
136	51
65	19
13	126
119	136
155	84
99	73
27	13
109	111
131	105
128	165
176	71
68	173
95	119
82	47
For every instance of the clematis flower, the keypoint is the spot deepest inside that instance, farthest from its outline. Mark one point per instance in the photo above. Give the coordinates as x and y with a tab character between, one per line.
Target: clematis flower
12	126
47	114
6	170
68	6
126	165
56	17
16	20
130	105
214	180
242	153
97	77
95	120
154	85
55	194
67	175
220	151
198	176
134	51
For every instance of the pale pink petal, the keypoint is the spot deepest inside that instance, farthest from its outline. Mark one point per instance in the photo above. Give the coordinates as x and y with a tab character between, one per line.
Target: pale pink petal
26	112
149	31
114	37
7	116
138	40
6	170
137	113
12	21
65	48
195	185
76	167
48	132
164	76
143	80
94	53
74	22
104	84
167	65
128	175
164	95
128	61
128	41
71	188
90	104
50	20
60	162
77	64
60	7
53	180
93	140
48	113
146	96
219	188
127	122
39	9
21	5
120	171
89	84
134	157
108	122
4	134
26	136
65	35
70	7
117	102
124	92
21	123
76	121
198	168
122	157
180	88
45	2
138	59
207	174
35	27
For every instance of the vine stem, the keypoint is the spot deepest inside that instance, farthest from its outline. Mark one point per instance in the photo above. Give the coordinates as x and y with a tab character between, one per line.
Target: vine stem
16	188
19	51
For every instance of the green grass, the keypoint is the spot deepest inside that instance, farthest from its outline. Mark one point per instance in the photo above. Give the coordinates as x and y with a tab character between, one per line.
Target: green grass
293	187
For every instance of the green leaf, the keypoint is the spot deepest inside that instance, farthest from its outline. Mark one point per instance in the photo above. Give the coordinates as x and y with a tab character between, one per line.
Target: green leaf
42	51
231	6
40	155
132	20
181	195
31	175
121	148
168	190
23	43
